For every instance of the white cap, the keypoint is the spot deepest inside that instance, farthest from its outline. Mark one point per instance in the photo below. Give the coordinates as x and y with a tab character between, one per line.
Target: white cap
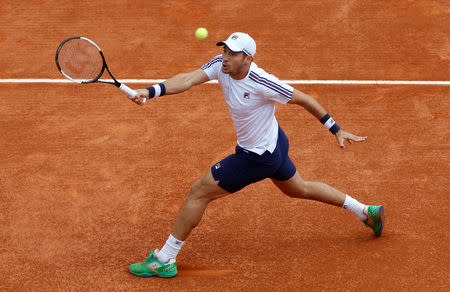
240	42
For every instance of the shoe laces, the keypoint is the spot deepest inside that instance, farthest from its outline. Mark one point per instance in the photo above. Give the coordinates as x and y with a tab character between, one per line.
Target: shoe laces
148	259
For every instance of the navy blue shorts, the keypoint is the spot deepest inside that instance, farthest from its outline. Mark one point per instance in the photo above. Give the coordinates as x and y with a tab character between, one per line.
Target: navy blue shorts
244	167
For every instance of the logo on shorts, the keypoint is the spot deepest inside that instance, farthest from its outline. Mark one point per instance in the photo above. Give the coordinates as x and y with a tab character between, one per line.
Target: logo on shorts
217	166
234	37
246	95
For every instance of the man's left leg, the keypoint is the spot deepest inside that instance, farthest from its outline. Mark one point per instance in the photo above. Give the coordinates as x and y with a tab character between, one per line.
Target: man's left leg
296	187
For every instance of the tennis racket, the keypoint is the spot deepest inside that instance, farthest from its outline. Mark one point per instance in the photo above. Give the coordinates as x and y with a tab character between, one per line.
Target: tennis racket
82	61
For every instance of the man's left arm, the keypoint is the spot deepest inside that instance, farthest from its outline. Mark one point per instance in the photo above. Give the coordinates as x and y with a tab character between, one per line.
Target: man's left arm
312	106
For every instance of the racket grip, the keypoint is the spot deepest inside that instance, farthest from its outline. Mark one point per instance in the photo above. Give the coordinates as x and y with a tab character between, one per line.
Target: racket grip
130	91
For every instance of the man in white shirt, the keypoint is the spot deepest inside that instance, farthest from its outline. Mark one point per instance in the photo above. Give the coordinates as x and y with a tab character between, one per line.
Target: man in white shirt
261	151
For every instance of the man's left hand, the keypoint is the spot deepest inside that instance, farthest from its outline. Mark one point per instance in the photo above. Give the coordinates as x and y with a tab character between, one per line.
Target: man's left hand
342	135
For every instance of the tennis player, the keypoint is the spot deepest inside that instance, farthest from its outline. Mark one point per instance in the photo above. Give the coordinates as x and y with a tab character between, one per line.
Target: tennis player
261	151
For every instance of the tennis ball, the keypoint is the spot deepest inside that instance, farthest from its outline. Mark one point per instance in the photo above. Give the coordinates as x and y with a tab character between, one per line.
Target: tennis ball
201	33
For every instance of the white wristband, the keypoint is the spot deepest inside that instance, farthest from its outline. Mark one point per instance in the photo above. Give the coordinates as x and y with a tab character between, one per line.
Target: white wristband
329	123
156	90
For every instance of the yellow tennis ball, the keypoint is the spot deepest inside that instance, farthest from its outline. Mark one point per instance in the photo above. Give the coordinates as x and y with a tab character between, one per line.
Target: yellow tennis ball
201	33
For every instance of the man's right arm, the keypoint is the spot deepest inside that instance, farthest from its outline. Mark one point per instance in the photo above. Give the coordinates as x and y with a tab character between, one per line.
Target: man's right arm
176	84
184	81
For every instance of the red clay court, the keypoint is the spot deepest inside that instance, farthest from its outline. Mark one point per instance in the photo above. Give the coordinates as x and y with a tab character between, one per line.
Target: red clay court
89	181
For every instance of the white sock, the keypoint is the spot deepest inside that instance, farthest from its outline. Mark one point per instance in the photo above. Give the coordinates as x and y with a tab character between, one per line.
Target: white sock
170	250
355	207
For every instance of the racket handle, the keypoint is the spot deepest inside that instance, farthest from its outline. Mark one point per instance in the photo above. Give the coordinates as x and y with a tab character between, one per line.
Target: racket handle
130	91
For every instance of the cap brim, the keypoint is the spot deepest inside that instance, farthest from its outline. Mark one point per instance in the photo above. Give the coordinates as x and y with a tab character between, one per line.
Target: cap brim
228	46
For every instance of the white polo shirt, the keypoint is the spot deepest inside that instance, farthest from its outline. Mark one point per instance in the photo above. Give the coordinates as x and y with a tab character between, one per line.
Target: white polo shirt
251	102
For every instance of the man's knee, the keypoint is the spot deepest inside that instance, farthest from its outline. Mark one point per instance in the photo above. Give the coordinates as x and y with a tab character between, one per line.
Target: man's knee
195	188
294	187
205	189
195	192
299	190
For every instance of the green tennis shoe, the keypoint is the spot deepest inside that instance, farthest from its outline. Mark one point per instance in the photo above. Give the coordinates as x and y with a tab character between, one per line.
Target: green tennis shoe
151	267
375	219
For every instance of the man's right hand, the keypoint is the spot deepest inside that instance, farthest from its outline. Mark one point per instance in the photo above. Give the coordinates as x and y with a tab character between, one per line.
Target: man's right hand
139	98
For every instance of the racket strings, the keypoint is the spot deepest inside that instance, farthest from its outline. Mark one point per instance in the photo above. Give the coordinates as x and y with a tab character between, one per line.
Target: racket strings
81	60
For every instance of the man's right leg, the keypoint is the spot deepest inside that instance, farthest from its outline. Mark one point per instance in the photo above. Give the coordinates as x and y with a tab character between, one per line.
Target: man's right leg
200	194
232	174
162	263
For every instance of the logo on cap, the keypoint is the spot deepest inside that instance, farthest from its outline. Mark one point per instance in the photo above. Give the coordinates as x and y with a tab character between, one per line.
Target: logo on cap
234	37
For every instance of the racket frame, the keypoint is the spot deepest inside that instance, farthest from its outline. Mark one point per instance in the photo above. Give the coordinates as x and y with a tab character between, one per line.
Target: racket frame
120	85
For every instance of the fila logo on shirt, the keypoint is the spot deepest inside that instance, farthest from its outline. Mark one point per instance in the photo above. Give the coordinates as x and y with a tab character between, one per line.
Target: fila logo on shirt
218	165
246	95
